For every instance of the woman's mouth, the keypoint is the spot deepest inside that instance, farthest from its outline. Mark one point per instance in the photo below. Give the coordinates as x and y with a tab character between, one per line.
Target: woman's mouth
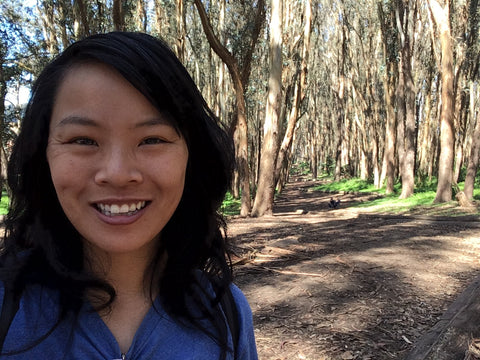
127	209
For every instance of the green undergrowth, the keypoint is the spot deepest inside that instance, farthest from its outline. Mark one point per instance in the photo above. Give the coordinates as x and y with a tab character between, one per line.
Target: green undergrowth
4	204
421	202
373	200
230	205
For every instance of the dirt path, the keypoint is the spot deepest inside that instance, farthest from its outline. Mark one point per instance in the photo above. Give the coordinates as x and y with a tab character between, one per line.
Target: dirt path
341	284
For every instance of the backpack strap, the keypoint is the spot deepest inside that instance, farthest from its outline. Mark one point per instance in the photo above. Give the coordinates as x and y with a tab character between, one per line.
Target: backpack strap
231	314
10	306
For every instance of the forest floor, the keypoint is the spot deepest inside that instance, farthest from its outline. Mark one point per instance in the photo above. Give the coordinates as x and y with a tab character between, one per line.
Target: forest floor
345	283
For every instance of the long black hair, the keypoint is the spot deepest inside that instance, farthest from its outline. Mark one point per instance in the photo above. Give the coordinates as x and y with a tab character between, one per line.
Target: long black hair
41	245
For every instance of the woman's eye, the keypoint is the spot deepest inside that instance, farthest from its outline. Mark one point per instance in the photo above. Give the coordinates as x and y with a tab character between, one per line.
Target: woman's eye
83	141
152	141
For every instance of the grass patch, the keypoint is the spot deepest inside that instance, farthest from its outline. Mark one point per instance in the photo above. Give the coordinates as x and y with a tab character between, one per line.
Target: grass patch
230	205
392	204
351	185
420	203
4	204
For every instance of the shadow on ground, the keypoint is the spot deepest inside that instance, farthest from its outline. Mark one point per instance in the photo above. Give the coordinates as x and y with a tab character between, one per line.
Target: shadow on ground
337	284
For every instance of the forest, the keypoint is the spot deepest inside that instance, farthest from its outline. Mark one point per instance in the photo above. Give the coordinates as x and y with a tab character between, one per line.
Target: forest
382	90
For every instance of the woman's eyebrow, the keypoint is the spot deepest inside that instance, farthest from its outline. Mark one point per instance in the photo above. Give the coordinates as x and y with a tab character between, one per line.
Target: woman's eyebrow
77	120
85	121
154	121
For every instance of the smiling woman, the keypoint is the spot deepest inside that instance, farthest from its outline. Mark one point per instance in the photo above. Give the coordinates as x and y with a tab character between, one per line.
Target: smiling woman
114	154
114	245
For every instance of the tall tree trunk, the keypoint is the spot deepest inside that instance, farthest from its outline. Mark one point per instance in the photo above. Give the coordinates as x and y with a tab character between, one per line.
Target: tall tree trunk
408	175
3	95
221	91
407	103
341	113
388	167
47	11
447	136
426	135
266	182
298	97
241	130
473	161
390	138
400	117
180	39
62	12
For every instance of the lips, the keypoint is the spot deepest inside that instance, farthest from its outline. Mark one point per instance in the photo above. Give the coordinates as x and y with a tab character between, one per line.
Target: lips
125	209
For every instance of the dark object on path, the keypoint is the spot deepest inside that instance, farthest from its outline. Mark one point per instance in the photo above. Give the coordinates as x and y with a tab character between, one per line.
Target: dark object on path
333	204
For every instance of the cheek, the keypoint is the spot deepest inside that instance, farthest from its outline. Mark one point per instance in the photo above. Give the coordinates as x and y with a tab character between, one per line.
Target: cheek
66	174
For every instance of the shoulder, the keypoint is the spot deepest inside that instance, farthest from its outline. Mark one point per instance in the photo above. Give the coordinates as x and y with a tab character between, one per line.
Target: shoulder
240	300
247	349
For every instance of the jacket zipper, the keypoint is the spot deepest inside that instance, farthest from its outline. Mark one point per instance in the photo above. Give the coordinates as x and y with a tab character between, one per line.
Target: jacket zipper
124	357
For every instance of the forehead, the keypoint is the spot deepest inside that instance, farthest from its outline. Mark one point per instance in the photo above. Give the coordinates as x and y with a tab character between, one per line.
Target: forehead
94	89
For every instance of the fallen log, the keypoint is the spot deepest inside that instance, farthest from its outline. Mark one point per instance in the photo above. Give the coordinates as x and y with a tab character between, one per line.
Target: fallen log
451	337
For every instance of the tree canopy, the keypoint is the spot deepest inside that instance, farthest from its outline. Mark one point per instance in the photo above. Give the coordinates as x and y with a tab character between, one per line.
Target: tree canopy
383	90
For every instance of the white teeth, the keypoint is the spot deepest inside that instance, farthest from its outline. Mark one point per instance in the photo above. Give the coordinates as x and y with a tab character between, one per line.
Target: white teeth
123	209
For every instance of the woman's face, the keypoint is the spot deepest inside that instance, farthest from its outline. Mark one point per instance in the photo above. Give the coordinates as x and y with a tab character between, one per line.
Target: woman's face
117	164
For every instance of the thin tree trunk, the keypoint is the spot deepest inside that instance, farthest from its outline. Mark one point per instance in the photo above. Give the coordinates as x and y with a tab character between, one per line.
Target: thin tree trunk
447	136
48	22
400	118
180	38
388	166
473	161
298	97
406	101
3	95
426	141
341	113
241	130
263	204
62	11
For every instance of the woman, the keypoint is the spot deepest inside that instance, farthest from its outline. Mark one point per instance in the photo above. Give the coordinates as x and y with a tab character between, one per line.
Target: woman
113	242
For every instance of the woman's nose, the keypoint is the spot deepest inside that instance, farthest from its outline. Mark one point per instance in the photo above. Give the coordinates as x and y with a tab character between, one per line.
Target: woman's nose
118	167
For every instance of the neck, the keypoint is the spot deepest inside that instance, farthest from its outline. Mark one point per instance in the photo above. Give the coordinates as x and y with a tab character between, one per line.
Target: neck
128	273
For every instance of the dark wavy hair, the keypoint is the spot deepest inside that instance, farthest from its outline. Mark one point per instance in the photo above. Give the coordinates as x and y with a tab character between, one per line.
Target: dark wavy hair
35	250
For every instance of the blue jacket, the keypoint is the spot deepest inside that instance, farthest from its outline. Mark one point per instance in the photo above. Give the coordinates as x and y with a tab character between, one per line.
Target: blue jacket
86	337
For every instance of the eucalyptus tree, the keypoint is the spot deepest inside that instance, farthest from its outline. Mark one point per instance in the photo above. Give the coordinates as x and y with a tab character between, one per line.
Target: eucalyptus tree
19	58
239	69
386	15
471	69
299	57
266	182
441	16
